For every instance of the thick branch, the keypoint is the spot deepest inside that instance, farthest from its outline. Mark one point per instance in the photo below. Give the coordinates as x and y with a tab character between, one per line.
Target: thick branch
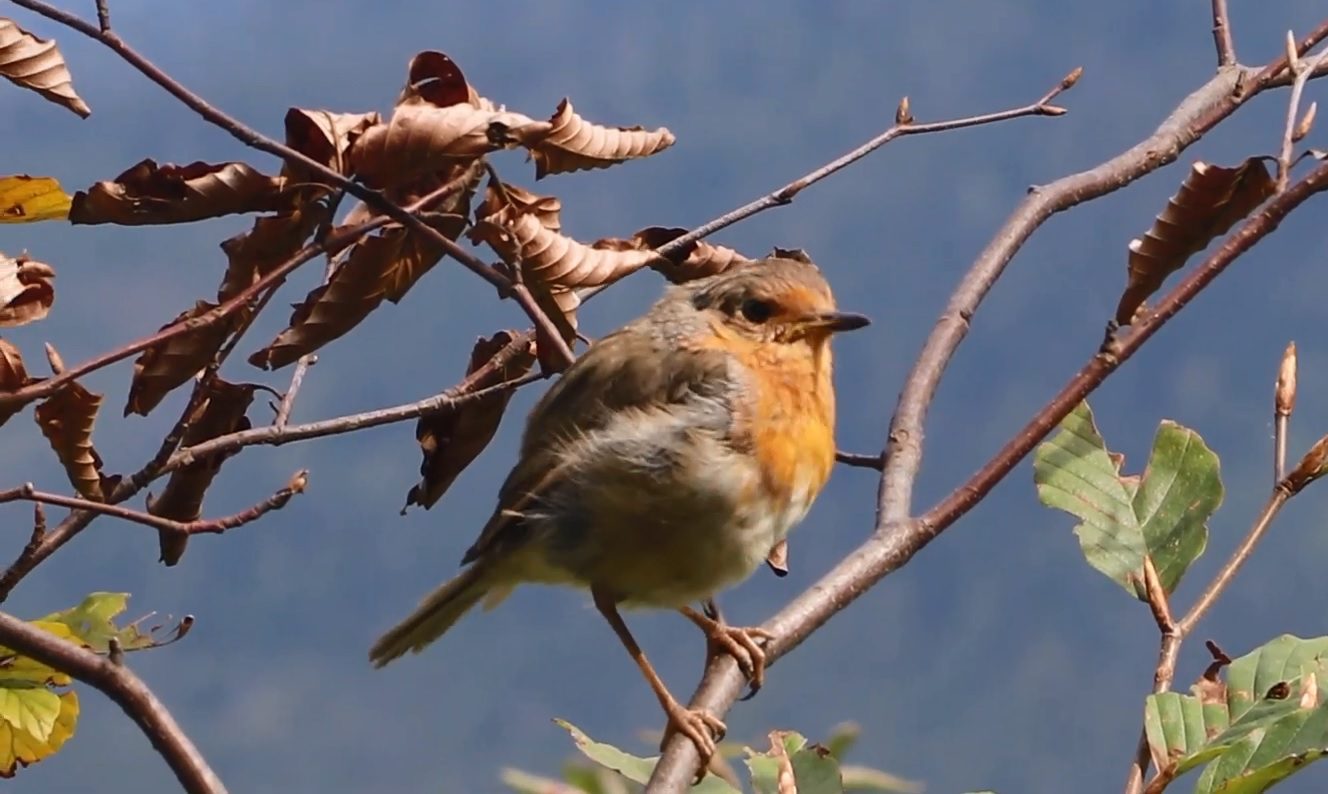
128	691
885	552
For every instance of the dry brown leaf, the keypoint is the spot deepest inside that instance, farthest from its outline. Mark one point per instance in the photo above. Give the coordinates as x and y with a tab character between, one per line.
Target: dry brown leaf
148	193
560	305
421	138
160	369
26	291
36	64
575	144
27	199
435	79
453	439
503	203
221	413
324	136
1210	202
553	259
382	265
13	376
66	419
272	240
703	258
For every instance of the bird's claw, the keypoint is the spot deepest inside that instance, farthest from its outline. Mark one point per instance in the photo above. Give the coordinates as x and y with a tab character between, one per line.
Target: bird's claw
743	643
704	730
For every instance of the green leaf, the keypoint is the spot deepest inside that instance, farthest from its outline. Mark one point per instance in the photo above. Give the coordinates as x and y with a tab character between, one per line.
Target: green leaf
93	622
28	730
1180	490
526	783
1267	721
1162	514
634	768
815	770
31	709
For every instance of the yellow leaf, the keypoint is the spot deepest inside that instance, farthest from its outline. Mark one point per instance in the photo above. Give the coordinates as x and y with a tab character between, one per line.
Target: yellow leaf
18	669
24	199
19	747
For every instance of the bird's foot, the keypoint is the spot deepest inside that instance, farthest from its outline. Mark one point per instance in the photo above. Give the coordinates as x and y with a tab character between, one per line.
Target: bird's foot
700	726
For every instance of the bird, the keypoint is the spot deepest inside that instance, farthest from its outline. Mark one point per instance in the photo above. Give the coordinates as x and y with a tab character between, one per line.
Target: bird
667	463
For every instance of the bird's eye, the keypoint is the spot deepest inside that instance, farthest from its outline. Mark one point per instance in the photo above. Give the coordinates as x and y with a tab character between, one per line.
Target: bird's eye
757	311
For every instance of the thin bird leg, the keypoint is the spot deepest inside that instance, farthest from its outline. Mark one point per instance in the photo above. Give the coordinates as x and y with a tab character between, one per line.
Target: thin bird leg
703	728
742	643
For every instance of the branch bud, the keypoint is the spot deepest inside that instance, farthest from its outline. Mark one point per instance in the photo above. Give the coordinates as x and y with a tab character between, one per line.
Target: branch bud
1284	398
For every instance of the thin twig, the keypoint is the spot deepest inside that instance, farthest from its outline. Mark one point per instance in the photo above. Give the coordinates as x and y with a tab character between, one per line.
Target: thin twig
1169	651
1156	595
885	552
1238	557
1284	403
276	501
256	140
785	194
1226	48
118	683
860	460
272	435
1302	69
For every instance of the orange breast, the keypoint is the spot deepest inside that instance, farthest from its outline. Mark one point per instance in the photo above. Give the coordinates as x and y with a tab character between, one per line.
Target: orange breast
792	425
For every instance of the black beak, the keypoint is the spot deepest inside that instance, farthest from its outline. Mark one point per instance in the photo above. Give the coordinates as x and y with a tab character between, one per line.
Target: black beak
838	321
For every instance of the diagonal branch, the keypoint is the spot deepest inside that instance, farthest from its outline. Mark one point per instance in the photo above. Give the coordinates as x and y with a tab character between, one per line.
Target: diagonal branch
256	140
896	540
118	683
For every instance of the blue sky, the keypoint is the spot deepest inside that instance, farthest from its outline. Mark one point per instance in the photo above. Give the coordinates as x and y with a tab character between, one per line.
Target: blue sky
996	659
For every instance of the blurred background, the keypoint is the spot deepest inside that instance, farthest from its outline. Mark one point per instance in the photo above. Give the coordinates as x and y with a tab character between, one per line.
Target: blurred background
996	659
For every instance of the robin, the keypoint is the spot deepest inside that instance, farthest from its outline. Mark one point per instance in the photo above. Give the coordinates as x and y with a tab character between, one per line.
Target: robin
666	464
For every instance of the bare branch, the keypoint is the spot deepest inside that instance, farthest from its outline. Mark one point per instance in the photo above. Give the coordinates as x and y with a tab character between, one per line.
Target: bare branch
860	460
903	126
276	501
128	691
1226	48
272	435
1295	128
893	544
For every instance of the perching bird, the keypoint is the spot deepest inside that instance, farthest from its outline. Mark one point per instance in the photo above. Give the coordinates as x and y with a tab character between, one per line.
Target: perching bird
665	465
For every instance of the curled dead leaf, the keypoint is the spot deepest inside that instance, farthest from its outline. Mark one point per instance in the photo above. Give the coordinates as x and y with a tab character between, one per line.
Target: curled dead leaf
148	194
702	258
26	291
27	199
421	138
503	203
66	419
13	376
453	439
158	370
324	136
381	265
550	258
272	240
1211	200
220	413
435	79
574	144
36	64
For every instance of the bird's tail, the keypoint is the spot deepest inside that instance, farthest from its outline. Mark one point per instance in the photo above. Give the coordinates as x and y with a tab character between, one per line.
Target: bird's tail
435	614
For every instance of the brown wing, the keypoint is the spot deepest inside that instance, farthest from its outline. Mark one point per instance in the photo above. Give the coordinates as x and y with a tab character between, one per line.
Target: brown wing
626	369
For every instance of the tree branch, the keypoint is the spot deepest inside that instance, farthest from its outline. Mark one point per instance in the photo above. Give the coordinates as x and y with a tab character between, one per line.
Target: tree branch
276	501
895	542
128	691
256	140
1226	47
